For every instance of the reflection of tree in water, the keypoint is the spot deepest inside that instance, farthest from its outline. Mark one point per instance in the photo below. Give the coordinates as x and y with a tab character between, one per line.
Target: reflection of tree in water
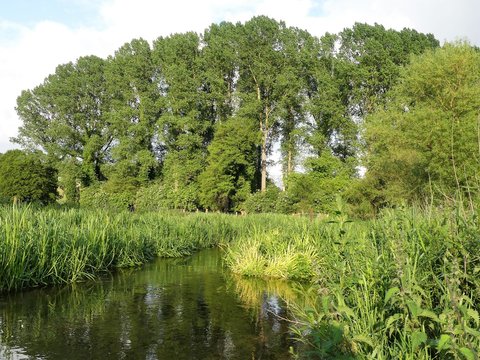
179	309
268	301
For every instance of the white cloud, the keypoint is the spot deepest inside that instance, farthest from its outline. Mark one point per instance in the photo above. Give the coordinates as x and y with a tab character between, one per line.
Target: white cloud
34	55
37	50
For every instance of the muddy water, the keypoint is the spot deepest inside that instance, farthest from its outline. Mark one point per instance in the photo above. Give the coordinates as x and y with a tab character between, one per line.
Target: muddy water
190	308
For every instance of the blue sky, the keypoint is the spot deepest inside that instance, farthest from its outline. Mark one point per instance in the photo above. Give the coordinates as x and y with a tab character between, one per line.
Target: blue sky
37	35
29	12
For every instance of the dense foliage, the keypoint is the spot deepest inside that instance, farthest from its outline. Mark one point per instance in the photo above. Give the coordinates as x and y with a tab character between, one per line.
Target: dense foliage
198	115
425	142
27	177
55	246
403	286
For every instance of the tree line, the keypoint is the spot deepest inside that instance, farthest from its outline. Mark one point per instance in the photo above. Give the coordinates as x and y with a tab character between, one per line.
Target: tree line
190	121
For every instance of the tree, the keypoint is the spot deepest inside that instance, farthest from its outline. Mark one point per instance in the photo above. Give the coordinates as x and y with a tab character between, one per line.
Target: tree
373	58
425	142
229	176
220	66
132	80
300	50
26	176
66	117
186	123
261	82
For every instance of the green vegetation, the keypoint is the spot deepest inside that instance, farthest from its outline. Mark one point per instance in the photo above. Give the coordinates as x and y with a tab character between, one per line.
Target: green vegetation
424	145
194	118
402	286
27	177
52	246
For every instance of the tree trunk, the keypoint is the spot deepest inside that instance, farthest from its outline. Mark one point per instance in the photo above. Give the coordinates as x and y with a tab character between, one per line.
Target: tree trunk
289	162
288	170
263	185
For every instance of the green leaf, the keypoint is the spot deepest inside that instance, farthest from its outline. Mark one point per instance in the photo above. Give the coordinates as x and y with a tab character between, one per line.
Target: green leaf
429	314
467	353
390	293
473	332
414	308
474	315
363	339
418	338
443	342
392	319
346	310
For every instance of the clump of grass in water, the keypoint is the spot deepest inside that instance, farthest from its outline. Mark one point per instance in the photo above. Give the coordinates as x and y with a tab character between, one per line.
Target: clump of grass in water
272	253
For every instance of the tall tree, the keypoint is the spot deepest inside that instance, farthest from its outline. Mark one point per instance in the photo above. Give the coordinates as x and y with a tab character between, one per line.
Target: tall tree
300	53
219	61
186	124
65	116
133	85
262	83
374	55
333	128
426	141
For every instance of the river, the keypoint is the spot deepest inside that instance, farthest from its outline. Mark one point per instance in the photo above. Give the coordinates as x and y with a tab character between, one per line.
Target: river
188	308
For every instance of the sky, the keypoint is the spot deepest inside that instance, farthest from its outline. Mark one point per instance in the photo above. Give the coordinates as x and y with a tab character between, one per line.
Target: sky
38	35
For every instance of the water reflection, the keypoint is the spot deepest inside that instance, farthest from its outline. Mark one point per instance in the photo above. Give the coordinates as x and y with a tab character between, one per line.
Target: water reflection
172	309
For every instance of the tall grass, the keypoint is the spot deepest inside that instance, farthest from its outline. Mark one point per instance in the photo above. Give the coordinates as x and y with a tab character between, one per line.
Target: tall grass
403	286
51	246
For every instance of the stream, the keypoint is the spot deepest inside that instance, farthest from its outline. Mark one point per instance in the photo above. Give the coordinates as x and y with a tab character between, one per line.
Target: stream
188	308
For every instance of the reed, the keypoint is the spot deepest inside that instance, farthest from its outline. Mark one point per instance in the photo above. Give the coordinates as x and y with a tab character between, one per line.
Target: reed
402	286
51	246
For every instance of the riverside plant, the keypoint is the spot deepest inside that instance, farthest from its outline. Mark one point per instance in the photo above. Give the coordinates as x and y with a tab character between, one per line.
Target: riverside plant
402	286
45	246
53	246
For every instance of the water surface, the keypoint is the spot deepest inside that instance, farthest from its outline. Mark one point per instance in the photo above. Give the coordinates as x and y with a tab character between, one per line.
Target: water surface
190	308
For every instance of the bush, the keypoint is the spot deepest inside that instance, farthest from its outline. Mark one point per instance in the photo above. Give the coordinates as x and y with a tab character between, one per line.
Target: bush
109	195
262	202
151	198
27	177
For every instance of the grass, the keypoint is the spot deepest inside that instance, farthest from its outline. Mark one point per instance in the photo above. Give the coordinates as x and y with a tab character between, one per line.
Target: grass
46	246
51	246
403	286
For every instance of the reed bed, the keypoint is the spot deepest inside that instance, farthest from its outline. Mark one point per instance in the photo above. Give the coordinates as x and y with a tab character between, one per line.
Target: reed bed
403	286
51	246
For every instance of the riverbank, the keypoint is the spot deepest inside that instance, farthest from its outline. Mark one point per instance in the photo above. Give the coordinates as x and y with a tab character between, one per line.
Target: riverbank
403	286
53	246
47	246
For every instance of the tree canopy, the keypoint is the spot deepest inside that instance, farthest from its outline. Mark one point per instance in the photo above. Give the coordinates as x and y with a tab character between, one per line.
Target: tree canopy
199	115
